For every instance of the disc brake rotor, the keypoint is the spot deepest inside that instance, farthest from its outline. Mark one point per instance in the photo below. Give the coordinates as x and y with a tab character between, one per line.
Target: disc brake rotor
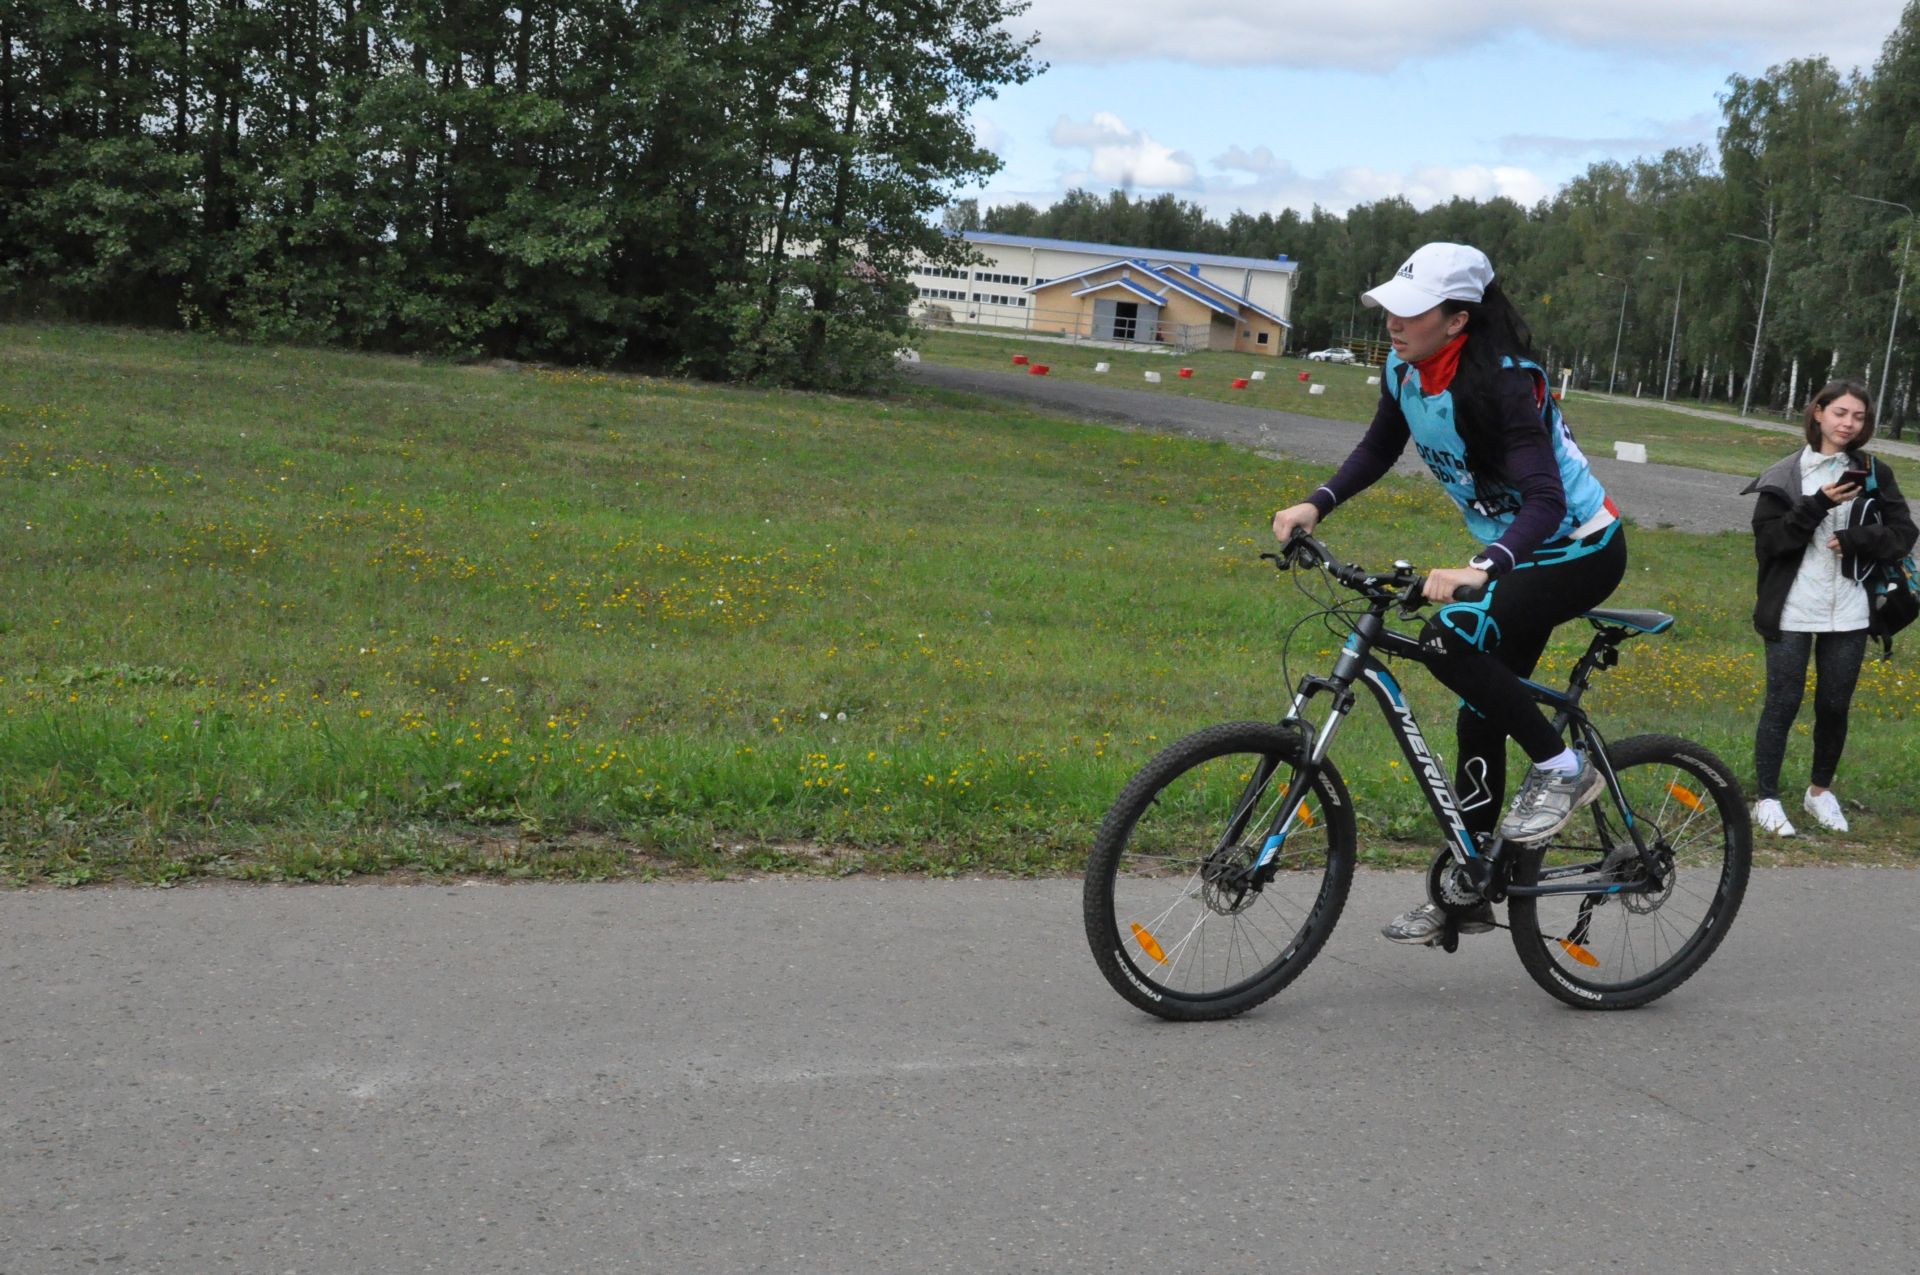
1225	883
1642	904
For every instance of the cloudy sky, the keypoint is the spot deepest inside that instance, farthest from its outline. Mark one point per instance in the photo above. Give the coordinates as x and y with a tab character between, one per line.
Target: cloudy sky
1270	104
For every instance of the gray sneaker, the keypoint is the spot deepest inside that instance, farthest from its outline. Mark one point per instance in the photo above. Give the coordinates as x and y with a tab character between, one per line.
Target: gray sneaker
1424	924
1547	800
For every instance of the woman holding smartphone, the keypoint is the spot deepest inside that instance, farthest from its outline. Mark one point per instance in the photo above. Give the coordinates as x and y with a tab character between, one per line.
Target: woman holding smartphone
1824	517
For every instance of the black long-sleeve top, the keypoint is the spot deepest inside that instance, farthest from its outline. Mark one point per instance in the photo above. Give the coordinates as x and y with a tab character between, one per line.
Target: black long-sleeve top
1531	468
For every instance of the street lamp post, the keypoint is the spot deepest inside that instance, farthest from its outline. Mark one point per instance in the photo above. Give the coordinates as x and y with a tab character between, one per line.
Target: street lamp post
1620	327
1886	364
1759	325
1673	339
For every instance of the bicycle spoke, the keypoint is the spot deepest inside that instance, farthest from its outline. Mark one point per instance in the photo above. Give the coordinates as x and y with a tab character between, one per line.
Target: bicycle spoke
1178	896
1648	938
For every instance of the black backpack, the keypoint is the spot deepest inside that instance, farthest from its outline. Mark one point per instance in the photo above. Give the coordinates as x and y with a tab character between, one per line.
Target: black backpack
1893	588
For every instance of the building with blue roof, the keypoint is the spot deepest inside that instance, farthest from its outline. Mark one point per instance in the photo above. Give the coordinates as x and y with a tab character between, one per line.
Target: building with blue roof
1114	293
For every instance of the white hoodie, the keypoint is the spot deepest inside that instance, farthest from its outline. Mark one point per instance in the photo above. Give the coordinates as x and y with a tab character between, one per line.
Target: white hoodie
1821	599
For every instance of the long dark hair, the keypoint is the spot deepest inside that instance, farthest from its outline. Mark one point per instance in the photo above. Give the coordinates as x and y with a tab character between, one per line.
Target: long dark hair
1495	331
1824	399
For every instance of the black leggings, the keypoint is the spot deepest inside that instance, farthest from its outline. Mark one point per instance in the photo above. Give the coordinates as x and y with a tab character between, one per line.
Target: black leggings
1488	646
1836	660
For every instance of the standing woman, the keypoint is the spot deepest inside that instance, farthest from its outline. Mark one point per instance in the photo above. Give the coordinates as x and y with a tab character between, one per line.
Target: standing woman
1825	516
1463	386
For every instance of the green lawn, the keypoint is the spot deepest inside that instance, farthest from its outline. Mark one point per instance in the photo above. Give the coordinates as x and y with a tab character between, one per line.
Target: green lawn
281	613
1598	421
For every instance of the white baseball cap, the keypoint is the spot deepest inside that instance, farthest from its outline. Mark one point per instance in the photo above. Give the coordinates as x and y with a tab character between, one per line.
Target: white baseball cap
1435	273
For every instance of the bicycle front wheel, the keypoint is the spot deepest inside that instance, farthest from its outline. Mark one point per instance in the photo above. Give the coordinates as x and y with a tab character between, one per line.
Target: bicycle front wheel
1603	950
1175	922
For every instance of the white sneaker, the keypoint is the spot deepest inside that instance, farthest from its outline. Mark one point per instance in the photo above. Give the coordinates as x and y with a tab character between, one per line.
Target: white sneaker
1825	810
1772	817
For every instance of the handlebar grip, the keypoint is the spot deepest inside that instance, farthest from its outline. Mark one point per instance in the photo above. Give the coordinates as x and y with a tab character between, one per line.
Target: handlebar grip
1416	596
1302	550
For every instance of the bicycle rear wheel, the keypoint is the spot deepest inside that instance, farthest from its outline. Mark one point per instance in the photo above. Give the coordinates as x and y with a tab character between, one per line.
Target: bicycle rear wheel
1617	951
1173	926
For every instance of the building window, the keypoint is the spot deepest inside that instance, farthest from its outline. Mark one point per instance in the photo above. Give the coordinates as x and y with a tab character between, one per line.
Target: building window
942	294
1262	338
996	298
1017	280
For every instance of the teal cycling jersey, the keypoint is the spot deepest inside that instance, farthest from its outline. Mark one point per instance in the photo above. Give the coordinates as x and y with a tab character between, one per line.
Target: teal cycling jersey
1490	511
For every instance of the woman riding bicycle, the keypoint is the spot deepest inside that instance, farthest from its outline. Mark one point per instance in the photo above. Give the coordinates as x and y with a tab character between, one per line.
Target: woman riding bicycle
1463	385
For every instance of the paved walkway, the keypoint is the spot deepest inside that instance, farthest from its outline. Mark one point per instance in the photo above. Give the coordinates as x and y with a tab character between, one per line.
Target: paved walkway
1885	446
1651	495
924	1076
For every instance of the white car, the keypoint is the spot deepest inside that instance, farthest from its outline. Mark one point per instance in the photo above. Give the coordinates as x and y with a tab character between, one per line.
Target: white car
1338	354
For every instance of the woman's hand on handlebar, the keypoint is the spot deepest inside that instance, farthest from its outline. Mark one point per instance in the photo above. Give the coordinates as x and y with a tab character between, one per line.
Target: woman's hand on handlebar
1303	517
1442	583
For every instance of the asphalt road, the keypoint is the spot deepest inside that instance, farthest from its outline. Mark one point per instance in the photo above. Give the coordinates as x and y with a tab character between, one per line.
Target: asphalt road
905	1076
1651	495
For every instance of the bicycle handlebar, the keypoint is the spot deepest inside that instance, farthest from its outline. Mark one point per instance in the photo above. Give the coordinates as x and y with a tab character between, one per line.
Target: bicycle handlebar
1403	584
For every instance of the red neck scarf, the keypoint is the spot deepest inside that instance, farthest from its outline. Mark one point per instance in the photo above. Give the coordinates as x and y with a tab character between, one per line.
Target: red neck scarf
1437	369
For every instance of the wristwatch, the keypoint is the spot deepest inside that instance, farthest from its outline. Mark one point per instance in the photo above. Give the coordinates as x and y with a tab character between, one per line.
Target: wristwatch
1481	563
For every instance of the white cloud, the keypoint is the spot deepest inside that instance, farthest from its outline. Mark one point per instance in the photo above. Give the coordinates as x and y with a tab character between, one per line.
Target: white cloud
1377	35
1276	184
1121	156
1658	138
1434	184
1259	161
988	135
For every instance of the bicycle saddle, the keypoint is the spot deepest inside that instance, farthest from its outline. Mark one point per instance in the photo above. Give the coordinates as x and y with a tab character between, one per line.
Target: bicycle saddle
1638	621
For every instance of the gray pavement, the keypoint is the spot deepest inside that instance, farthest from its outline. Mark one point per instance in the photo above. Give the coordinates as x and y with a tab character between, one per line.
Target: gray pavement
1651	495
906	1076
895	1076
1766	424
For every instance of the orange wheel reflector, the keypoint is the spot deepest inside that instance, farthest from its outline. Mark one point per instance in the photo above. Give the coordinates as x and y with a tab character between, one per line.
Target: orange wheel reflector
1306	815
1686	797
1151	945
1574	950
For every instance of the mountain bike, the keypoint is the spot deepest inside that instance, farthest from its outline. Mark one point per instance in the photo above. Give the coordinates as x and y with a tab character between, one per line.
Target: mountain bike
1220	870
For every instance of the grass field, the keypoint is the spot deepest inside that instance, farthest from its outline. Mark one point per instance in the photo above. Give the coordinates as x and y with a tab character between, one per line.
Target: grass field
1598	421
292	614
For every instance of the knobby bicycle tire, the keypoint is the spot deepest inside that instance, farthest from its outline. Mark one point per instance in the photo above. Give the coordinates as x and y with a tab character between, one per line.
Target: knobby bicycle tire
1166	928
1619	951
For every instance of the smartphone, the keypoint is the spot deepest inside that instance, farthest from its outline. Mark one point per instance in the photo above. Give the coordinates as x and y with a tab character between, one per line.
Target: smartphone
1855	477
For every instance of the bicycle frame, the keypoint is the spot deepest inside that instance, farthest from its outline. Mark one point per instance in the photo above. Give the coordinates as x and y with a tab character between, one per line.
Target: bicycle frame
1359	663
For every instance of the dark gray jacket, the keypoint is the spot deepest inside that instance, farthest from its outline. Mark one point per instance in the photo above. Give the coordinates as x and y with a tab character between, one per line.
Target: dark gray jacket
1879	529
